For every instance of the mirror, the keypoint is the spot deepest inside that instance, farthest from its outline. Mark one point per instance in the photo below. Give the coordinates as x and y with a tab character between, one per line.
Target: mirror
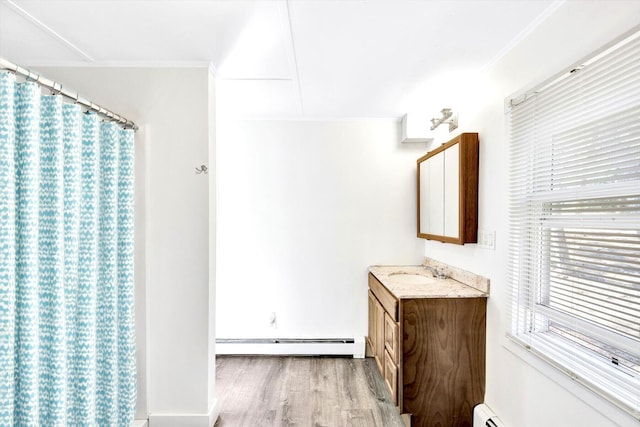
447	181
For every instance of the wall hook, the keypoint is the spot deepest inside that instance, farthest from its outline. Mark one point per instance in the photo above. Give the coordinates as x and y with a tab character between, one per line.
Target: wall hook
201	169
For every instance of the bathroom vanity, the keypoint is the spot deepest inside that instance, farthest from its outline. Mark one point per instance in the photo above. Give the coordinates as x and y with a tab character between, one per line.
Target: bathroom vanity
427	336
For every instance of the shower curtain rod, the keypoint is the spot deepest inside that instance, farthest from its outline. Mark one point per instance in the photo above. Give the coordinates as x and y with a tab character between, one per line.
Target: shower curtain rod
58	89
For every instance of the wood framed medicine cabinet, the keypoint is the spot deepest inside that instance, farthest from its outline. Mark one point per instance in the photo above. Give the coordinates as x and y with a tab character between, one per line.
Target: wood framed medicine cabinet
447	182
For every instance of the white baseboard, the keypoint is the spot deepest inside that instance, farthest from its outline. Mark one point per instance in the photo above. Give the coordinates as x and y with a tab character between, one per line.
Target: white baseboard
140	423
186	420
286	348
214	412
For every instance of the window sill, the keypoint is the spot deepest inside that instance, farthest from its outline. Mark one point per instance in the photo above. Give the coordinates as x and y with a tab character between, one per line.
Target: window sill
590	397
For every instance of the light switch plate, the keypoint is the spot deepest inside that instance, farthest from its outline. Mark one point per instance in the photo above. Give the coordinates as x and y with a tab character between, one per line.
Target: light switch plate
487	239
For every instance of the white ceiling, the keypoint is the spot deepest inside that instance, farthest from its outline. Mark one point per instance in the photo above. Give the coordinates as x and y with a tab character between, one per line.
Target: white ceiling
283	58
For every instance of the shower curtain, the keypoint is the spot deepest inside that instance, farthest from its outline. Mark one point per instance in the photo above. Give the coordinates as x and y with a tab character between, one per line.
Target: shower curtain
67	344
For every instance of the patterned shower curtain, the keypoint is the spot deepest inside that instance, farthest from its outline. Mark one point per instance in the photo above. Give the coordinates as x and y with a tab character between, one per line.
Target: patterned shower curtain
67	343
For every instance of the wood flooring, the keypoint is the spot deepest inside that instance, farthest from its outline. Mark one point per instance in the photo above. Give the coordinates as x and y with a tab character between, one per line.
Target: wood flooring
257	391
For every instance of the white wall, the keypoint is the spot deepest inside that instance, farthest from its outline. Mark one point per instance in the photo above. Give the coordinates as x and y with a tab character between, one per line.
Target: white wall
213	215
529	394
304	207
172	107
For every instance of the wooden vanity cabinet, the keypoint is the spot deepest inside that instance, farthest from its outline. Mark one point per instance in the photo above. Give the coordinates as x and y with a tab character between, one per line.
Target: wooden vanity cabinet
432	354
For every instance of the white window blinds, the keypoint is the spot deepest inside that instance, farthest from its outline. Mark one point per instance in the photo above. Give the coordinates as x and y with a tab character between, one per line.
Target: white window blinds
574	246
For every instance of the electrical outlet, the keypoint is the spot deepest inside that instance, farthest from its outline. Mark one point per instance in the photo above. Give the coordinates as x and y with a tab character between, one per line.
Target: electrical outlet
487	239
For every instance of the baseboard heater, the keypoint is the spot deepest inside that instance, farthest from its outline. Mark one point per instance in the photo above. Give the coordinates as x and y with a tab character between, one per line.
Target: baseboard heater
291	346
483	416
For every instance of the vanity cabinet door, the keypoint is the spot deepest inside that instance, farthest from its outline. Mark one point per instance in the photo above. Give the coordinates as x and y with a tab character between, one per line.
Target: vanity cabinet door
391	377
376	330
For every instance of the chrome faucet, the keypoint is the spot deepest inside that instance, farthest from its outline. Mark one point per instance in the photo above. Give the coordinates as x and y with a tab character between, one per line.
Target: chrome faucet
438	272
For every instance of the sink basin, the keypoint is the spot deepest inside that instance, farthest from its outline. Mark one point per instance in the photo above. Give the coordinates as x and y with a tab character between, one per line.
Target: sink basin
411	278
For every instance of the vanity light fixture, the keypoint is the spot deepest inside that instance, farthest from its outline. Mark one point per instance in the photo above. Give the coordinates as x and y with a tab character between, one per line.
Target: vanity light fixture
447	117
415	128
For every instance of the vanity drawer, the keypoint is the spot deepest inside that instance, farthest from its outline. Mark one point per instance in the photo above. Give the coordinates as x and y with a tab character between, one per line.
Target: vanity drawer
391	337
388	301
391	377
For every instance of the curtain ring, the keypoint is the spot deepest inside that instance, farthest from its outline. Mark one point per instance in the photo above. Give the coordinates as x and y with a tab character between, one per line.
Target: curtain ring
13	71
56	91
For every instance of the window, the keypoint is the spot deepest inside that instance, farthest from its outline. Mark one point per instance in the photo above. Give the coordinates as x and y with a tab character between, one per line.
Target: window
574	246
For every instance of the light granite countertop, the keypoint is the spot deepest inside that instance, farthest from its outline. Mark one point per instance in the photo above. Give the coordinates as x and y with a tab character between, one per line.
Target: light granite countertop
416	281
